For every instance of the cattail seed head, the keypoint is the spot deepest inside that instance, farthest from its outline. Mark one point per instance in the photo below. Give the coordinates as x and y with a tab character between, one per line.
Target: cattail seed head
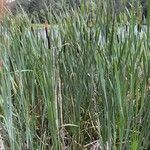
2	8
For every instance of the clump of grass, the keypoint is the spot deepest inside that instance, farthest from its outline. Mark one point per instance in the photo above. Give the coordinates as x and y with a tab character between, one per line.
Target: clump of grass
71	90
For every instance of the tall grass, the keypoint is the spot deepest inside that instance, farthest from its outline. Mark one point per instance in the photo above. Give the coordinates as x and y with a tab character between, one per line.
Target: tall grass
72	89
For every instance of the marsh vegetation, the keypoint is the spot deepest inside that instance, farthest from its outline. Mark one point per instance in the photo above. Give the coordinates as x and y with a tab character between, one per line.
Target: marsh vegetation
70	90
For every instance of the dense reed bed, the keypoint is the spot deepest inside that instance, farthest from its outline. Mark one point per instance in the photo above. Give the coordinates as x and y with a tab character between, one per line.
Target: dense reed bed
81	86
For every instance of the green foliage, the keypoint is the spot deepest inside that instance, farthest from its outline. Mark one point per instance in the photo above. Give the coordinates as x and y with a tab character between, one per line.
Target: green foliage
73	89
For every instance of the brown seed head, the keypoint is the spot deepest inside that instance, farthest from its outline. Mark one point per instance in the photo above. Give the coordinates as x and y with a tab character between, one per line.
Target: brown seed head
2	8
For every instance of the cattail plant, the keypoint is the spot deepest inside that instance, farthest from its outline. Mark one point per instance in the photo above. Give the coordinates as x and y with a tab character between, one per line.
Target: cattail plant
74	90
2	8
